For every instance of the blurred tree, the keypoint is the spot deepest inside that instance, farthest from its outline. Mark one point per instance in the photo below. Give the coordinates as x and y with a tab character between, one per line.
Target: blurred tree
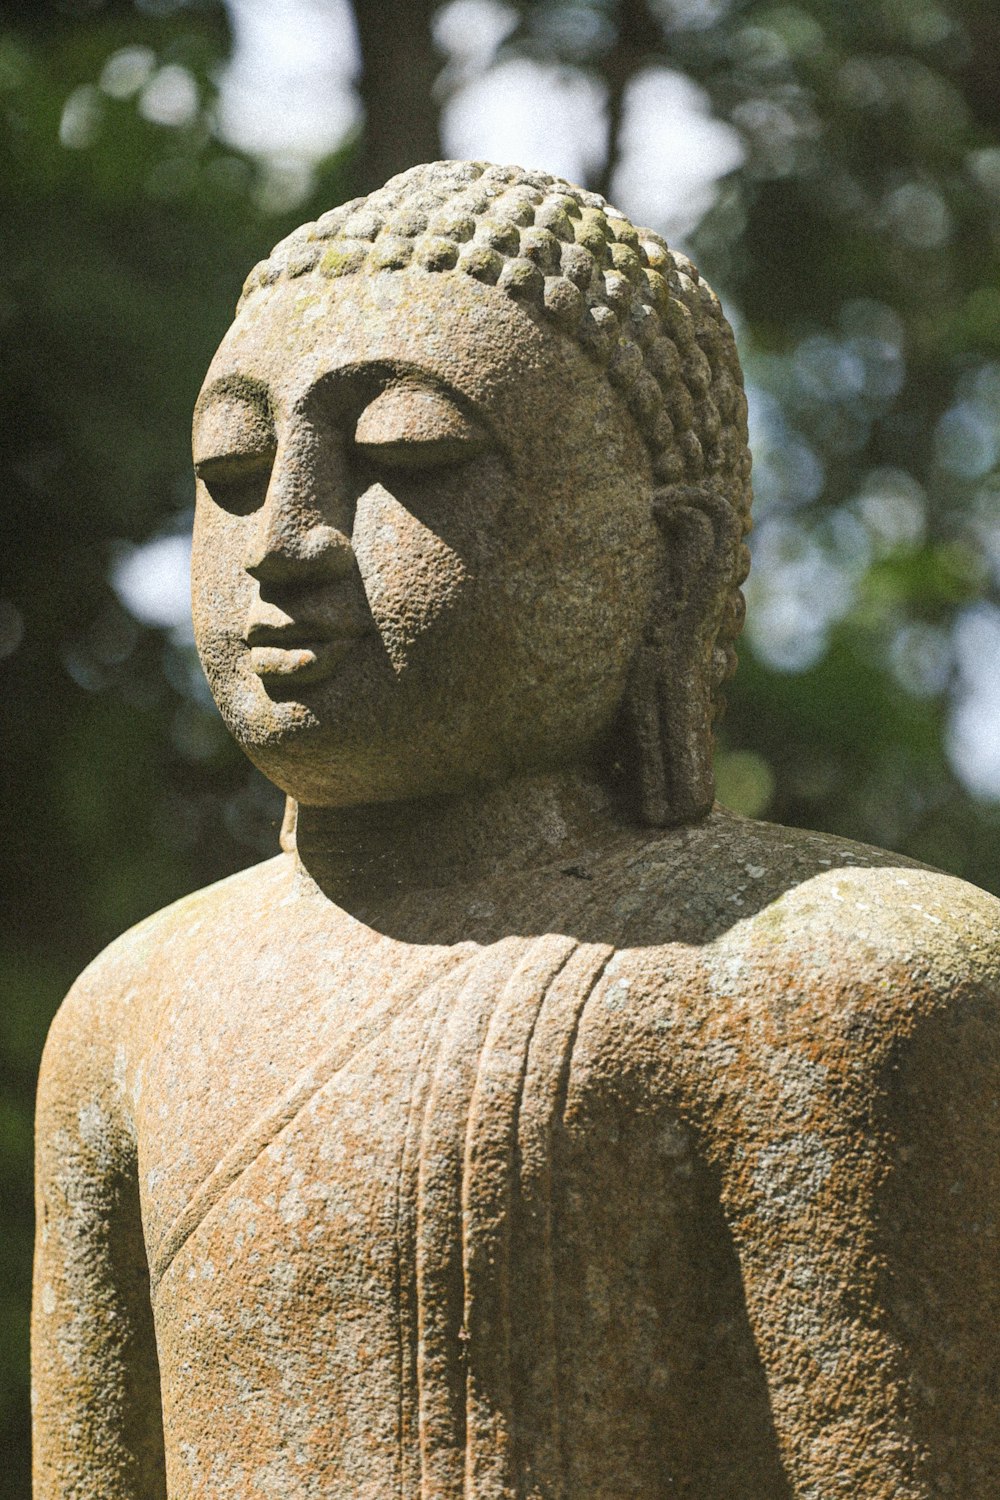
857	248
399	67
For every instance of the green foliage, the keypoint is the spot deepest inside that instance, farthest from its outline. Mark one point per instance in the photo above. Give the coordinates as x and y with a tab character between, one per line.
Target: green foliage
860	248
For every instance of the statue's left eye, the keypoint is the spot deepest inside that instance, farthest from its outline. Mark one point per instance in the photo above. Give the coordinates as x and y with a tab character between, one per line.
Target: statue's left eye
411	426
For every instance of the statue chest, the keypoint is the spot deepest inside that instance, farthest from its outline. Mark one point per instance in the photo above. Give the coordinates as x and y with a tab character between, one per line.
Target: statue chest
411	1266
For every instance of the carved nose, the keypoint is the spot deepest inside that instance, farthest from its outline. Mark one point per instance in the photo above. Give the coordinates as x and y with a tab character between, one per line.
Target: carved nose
293	541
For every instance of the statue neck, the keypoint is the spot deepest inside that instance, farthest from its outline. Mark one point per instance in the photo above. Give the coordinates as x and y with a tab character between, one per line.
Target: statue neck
382	849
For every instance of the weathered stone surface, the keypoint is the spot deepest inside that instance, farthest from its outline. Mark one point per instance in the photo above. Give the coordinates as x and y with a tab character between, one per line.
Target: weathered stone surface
529	1127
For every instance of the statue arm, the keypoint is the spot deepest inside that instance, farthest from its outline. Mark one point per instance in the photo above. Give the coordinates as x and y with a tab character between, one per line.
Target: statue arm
95	1379
867	1220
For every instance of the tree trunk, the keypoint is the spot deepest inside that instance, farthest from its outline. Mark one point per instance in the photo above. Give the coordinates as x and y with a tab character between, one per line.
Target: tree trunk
638	39
400	66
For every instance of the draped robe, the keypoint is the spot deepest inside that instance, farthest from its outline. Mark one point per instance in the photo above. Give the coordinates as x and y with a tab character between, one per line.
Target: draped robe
503	1214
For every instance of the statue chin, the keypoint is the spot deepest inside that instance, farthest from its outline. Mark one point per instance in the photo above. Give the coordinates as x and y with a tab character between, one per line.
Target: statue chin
530	1126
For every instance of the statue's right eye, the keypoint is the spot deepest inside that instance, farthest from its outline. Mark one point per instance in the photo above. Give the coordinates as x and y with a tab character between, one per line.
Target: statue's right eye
234	445
237	482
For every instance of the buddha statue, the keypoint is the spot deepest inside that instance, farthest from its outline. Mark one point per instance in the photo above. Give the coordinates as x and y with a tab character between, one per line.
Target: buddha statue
531	1127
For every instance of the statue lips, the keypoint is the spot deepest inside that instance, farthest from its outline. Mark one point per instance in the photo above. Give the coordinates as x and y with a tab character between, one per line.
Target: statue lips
301	651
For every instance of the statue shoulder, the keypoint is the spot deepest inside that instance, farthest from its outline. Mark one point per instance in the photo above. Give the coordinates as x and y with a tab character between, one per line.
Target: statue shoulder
762	959
869	917
114	992
738	923
778	891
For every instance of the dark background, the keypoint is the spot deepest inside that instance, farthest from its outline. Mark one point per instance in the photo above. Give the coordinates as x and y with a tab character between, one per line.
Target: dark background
857	248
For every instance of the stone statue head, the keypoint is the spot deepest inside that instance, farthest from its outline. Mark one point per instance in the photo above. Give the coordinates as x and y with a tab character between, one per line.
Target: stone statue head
473	486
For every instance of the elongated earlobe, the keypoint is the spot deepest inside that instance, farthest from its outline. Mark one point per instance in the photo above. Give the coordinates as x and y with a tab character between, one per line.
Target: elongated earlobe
670	703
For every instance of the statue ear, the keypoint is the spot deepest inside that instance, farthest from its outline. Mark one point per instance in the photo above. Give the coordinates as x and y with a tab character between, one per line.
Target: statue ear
670	695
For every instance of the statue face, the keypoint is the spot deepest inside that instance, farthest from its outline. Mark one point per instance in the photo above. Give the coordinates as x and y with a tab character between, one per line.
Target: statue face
424	553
